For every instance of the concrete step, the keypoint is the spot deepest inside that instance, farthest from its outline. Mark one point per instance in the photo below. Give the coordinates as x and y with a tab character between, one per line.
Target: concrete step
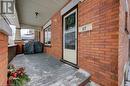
79	78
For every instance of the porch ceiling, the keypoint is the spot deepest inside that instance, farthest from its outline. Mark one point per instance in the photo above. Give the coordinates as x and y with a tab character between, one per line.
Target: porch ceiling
46	8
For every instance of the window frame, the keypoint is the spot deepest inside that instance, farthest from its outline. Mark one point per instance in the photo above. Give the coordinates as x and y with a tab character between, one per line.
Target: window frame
47	45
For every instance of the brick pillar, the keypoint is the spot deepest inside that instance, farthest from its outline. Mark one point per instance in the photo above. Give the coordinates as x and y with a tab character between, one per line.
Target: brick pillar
3	58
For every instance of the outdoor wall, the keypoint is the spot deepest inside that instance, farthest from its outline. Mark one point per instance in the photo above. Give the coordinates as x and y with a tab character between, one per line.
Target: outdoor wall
97	49
56	37
123	44
3	59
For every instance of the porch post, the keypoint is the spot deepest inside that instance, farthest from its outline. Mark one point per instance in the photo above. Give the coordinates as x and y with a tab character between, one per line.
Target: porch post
18	34
19	41
37	34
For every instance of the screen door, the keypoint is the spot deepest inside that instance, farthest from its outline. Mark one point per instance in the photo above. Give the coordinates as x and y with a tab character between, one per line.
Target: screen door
70	37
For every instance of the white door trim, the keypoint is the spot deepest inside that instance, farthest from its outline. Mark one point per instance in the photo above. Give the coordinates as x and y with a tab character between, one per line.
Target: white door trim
72	53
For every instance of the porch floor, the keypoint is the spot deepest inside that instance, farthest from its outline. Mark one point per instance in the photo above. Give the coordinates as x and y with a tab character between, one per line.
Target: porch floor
45	70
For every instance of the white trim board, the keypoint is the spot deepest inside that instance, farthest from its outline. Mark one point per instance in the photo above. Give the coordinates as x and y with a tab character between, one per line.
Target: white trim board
4	27
69	6
47	24
70	54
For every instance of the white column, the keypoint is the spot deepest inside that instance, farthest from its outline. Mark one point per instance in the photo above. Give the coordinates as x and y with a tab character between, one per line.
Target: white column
37	34
18	34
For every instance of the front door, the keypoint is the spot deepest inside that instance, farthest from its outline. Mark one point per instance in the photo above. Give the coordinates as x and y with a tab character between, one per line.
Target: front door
70	37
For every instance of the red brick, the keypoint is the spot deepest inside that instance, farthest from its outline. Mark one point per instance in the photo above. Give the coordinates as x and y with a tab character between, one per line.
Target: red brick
103	51
3	59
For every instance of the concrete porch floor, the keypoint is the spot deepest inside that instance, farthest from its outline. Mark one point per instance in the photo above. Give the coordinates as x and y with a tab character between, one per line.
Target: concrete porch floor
45	70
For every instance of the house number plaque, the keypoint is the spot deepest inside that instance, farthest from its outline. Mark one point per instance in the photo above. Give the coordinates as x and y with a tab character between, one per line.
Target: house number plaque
85	28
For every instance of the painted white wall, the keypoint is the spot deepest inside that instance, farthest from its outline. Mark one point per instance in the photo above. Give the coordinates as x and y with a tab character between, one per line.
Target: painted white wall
12	38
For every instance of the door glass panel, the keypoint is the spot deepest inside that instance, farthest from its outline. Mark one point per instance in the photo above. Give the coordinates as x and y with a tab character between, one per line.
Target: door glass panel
70	32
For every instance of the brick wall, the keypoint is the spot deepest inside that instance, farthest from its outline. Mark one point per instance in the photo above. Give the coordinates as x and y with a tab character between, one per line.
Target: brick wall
128	15
56	36
123	44
3	59
98	49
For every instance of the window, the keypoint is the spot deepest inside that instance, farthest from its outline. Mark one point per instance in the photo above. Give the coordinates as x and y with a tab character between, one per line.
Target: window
47	35
27	35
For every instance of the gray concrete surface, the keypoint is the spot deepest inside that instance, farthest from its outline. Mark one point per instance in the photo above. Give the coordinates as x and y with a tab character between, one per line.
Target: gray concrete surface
45	70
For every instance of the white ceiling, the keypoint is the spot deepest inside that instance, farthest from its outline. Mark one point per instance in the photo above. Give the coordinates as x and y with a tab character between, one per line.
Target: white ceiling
46	8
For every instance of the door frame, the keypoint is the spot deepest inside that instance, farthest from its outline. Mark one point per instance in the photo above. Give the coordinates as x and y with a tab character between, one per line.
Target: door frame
62	59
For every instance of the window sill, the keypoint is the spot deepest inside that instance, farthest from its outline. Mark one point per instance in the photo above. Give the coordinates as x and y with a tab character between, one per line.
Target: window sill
12	45
47	45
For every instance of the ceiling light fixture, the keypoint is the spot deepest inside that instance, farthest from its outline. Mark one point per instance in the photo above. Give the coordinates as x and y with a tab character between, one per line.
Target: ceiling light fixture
36	13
